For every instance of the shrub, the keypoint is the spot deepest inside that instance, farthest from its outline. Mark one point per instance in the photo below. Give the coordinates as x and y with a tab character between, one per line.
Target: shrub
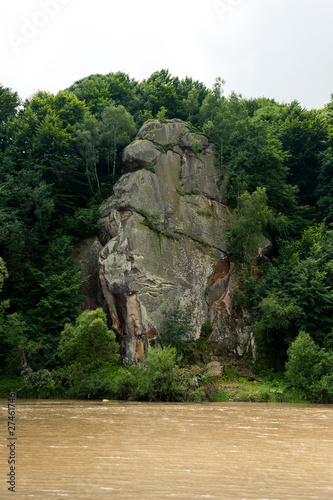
310	368
89	345
125	382
82	385
304	357
177	327
322	390
40	383
158	380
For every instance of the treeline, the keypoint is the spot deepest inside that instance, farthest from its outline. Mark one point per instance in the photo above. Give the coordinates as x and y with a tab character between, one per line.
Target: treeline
61	154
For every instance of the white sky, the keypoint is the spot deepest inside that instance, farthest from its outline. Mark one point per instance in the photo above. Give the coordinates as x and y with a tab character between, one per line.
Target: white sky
280	49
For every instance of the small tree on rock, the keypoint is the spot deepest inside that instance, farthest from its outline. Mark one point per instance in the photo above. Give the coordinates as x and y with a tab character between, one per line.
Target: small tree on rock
176	329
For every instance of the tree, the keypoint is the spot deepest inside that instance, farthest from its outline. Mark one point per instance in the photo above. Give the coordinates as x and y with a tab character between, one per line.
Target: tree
157	381
310	368
295	294
245	224
9	102
54	291
3	273
88	147
256	159
88	344
192	103
14	345
324	190
176	328
117	129
279	317
302	133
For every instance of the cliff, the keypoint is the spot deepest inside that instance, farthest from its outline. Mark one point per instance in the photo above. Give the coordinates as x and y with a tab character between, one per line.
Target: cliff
162	236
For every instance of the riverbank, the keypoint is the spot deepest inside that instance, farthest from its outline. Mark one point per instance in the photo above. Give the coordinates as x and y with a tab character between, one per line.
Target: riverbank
238	389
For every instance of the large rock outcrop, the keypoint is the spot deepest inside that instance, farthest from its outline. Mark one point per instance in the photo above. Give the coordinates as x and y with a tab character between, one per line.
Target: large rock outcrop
162	236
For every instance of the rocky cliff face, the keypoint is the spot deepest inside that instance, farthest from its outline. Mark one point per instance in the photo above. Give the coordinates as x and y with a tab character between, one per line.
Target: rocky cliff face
162	236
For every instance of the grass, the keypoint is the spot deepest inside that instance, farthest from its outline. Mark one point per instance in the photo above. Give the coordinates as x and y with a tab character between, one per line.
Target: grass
206	213
188	193
152	221
256	391
232	386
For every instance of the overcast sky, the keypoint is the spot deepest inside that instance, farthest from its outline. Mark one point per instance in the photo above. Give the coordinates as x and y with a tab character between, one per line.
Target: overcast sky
280	49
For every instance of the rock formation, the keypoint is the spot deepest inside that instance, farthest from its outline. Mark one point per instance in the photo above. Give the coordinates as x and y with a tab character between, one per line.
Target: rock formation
162	236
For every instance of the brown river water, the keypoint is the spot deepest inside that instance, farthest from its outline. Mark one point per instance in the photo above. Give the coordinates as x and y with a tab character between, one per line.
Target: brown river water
125	450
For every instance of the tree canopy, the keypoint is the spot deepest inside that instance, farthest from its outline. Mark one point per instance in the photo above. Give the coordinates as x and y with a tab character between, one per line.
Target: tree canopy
60	155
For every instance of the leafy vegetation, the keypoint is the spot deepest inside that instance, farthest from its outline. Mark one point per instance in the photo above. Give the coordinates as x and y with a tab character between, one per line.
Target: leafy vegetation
177	328
60	156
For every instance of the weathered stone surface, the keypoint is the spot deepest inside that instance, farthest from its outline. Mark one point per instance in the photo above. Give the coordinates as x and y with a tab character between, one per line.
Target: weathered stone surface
138	155
193	141
163	133
162	236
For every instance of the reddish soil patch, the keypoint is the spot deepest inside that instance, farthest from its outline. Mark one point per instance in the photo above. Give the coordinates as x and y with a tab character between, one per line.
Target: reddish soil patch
222	269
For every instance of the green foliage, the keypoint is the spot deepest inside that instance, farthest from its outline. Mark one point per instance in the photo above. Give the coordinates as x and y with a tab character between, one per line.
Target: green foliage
9	101
117	129
184	193
278	316
176	329
159	378
54	292
8	384
246	224
206	213
39	383
61	154
83	223
197	146
89	344
295	293
324	190
158	381
152	221
15	346
87	140
302	133
79	384
304	361
310	368
3	273
161	115
124	383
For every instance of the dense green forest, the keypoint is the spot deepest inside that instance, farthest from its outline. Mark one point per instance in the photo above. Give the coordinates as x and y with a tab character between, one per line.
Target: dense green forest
60	155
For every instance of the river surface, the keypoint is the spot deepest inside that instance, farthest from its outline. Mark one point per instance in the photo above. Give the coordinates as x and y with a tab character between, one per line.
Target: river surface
125	450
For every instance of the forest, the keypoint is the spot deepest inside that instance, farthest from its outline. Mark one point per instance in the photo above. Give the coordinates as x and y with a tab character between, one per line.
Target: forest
60	156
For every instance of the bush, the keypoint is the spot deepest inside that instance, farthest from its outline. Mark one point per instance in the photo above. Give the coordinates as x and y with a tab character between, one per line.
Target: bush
158	380
310	368
304	357
89	345
41	383
81	385
153	380
177	327
125	382
322	390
